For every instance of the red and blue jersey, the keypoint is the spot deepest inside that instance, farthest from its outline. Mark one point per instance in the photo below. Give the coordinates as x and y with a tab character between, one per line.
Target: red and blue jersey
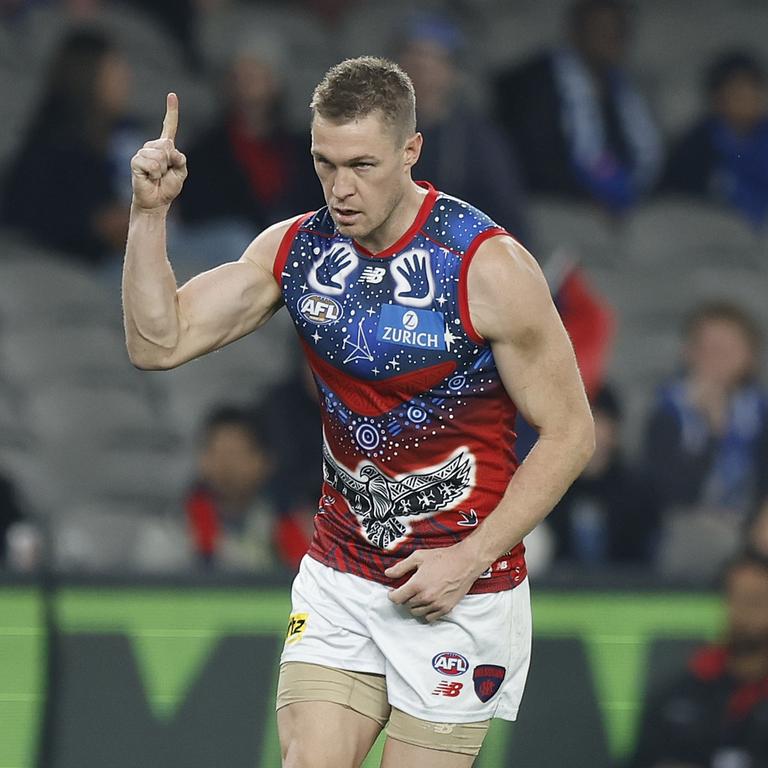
418	441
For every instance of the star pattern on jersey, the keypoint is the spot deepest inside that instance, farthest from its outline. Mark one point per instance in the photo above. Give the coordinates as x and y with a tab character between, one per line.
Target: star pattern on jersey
360	348
449	338
364	340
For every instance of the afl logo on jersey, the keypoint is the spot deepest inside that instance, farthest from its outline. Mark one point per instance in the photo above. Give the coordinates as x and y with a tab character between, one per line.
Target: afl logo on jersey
450	663
318	309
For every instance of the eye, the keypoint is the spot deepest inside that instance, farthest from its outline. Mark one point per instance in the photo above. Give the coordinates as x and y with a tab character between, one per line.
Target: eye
363	165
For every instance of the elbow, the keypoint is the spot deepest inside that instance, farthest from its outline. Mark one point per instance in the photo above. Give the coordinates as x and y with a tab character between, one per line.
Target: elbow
145	360
584	439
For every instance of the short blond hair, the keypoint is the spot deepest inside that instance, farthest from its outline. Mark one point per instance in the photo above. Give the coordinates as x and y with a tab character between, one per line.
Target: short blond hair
358	87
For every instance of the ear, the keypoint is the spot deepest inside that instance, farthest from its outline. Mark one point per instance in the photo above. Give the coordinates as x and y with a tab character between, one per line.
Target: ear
412	149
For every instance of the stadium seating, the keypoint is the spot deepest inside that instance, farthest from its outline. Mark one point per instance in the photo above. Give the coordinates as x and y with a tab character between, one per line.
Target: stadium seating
87	436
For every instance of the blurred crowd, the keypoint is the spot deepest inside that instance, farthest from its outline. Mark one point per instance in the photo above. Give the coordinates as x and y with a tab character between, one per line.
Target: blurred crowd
569	122
563	142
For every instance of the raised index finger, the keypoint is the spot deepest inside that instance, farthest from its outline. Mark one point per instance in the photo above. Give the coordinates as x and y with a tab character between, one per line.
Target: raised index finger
171	120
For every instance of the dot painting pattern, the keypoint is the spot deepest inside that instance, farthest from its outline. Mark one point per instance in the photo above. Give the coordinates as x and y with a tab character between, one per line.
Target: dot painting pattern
409	394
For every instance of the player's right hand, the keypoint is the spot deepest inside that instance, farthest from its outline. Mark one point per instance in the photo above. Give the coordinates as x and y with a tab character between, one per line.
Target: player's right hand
158	169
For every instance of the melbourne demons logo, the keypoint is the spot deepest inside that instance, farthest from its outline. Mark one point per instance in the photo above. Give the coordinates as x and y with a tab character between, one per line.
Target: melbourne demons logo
384	505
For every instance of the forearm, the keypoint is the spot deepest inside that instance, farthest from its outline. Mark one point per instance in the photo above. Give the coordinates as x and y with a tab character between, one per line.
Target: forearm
150	304
535	488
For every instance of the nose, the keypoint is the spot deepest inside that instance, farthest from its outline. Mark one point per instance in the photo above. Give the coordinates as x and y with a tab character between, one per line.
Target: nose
343	184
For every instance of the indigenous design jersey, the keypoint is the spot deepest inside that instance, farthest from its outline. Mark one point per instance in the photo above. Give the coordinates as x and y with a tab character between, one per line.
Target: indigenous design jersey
417	427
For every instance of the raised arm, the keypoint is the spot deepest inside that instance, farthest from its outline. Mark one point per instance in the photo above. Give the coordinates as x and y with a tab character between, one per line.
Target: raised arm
166	326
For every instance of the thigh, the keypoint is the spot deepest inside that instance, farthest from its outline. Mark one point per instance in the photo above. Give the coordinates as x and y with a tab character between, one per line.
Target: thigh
398	754
322	734
421	743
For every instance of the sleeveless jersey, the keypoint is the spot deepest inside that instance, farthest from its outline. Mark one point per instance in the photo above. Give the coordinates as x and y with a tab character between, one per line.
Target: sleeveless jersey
418	441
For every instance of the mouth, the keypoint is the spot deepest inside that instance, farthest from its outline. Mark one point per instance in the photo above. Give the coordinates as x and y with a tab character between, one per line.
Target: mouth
345	215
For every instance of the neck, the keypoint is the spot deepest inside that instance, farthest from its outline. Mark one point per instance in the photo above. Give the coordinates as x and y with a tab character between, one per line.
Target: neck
398	222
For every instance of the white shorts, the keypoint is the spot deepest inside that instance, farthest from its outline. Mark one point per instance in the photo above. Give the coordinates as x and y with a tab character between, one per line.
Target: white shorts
469	666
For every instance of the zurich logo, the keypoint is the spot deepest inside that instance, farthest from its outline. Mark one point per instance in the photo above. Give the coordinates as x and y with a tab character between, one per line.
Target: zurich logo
318	309
410	320
450	663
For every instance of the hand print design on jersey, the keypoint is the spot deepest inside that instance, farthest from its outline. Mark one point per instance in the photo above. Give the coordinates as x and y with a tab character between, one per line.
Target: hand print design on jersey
414	283
329	273
381	502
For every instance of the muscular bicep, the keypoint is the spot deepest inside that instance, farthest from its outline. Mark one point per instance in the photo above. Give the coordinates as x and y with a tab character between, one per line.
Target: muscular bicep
511	306
223	304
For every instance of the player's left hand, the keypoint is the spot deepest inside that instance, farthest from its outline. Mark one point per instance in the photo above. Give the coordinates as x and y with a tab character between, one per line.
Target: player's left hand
443	576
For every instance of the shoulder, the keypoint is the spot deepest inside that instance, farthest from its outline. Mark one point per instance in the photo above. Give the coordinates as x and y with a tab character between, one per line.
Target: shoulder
265	250
319	223
456	224
506	287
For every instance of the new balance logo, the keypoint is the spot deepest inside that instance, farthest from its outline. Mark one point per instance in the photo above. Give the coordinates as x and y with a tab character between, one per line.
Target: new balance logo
450	689
372	275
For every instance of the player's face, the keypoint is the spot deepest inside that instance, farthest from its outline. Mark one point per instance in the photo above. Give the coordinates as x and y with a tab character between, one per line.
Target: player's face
363	168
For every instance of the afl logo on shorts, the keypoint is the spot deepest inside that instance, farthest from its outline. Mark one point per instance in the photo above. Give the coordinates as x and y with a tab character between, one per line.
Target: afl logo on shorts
450	663
318	309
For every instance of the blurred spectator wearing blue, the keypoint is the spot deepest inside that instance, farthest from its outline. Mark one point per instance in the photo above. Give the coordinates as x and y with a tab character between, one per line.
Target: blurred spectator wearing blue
69	186
463	152
580	126
250	170
715	713
707	441
607	515
229	513
724	156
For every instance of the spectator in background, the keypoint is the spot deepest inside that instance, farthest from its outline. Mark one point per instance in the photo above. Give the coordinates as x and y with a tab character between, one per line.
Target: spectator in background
69	186
724	156
707	441
292	418
715	714
231	518
249	169
607	515
463	151
580	127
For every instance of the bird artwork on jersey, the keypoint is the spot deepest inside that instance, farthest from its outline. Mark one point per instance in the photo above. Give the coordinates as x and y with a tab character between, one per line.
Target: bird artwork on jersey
417	426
